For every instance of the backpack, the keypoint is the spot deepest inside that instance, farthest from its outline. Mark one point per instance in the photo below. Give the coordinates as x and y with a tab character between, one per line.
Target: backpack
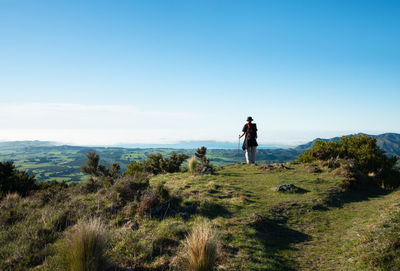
251	131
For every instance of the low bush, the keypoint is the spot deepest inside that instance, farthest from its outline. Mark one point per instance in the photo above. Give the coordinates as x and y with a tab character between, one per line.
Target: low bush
128	188
95	169
92	185
13	180
51	192
148	201
173	162
156	164
162	192
362	151
201	154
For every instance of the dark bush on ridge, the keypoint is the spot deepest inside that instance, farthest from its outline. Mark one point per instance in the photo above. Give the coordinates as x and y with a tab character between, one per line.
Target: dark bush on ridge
93	168
100	175
13	180
201	154
363	151
129	187
157	164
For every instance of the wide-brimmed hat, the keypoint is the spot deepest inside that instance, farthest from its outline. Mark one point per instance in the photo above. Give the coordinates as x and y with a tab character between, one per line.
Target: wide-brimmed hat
249	119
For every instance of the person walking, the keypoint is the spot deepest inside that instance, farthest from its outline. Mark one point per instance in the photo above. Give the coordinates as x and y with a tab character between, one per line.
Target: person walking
250	141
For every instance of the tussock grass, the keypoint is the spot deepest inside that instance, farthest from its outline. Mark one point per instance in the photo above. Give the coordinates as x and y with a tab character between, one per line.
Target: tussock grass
11	199
201	248
193	165
86	245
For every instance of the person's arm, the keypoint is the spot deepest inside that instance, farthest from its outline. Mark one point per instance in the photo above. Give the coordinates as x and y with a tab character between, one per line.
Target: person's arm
244	130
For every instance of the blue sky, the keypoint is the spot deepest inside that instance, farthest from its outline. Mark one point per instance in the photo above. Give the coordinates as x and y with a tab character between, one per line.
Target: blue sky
111	72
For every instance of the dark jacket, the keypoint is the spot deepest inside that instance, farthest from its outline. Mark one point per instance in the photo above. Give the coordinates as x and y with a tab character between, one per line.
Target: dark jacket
250	135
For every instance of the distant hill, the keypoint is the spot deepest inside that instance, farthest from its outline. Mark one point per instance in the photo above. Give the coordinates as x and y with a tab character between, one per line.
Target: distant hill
26	143
390	142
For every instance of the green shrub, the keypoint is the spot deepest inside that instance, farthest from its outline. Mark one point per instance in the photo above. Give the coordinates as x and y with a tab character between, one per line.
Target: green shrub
86	245
128	188
13	180
363	151
306	157
94	169
173	162
135	167
92	185
201	154
154	163
162	192
92	164
148	201
157	164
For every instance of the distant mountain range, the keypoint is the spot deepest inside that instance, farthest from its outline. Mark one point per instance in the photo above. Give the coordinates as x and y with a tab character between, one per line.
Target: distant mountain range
389	142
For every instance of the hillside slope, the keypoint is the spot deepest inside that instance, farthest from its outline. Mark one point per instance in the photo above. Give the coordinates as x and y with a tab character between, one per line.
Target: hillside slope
259	228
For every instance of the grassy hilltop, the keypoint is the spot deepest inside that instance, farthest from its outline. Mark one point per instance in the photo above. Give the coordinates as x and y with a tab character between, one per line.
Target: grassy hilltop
259	228
338	211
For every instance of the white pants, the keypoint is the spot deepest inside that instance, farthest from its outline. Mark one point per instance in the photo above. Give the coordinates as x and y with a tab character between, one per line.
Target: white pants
251	155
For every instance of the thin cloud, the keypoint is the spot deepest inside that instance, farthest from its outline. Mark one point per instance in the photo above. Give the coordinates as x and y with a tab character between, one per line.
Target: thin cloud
98	124
81	116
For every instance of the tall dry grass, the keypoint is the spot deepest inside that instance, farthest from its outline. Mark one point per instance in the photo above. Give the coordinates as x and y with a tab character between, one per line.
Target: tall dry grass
201	248
86	245
193	165
11	199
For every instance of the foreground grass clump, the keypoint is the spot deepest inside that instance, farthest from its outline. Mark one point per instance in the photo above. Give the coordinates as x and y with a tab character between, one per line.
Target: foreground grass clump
201	248
193	165
86	245
11	199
